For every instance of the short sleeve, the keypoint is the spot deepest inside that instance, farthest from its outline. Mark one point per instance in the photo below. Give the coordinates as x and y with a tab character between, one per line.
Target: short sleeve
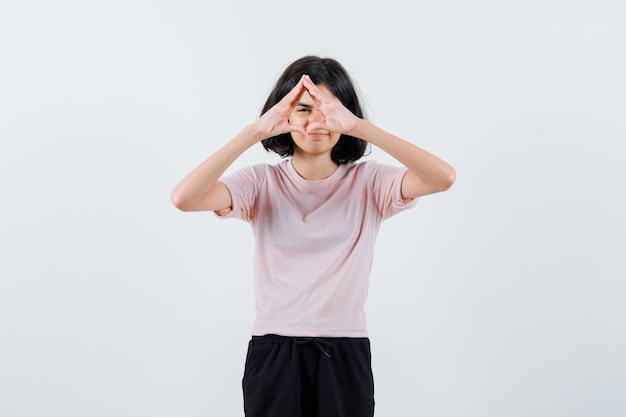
244	186
386	187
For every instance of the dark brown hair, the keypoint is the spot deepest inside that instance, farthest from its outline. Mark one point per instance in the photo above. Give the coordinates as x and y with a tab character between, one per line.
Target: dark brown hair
331	73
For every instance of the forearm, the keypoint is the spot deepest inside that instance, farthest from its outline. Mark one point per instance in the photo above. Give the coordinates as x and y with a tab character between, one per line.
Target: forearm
432	170
195	187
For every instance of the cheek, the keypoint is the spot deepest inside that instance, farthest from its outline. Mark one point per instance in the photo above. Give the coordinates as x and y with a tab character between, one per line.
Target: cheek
297	136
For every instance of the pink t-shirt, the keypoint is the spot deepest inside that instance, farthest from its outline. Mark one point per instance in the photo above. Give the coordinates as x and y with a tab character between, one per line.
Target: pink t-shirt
314	242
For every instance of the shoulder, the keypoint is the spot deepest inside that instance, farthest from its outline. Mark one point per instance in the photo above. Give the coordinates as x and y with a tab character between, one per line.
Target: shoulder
255	171
250	177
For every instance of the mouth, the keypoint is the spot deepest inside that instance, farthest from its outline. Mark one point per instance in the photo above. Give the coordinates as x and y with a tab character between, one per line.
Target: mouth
317	135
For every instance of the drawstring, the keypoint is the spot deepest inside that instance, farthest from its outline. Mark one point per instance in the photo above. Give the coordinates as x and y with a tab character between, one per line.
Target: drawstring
322	344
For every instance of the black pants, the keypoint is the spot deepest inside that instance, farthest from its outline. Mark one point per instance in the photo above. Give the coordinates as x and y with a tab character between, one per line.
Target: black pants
308	377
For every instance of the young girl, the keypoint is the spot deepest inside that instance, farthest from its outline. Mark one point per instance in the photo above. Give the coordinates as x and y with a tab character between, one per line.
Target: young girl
315	216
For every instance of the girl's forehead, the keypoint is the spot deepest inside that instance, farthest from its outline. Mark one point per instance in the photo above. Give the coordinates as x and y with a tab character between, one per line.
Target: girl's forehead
306	98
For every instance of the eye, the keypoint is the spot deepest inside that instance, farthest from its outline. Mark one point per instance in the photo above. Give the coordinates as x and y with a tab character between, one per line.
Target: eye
303	109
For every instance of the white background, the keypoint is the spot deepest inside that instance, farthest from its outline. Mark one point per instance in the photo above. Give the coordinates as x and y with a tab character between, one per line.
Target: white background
504	296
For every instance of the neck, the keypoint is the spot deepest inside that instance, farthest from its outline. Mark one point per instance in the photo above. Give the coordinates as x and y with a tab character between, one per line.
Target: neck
313	167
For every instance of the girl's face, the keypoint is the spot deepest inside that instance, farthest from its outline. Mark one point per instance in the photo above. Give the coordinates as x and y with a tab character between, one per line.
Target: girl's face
317	140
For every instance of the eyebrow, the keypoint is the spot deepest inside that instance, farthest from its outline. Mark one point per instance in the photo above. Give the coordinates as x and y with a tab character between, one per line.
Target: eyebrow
308	106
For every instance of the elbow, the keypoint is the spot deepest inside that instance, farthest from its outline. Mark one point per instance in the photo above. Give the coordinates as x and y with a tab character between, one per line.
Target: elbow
444	180
179	201
448	179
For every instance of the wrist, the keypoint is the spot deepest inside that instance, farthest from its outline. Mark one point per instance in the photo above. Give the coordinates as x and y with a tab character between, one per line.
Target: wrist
252	134
361	129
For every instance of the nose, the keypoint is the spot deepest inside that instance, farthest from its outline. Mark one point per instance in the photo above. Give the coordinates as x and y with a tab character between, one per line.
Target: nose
317	116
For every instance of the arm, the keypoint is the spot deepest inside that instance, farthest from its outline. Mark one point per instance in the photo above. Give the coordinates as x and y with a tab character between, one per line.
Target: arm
427	173
200	190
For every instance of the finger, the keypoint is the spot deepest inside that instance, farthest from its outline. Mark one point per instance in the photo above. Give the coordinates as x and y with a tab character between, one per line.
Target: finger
317	126
296	92
286	105
318	95
313	91
309	85
296	128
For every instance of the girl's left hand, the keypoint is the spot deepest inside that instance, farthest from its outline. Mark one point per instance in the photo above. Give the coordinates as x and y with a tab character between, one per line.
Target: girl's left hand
337	117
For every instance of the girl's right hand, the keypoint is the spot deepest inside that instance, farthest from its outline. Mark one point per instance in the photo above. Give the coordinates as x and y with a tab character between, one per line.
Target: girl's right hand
275	121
